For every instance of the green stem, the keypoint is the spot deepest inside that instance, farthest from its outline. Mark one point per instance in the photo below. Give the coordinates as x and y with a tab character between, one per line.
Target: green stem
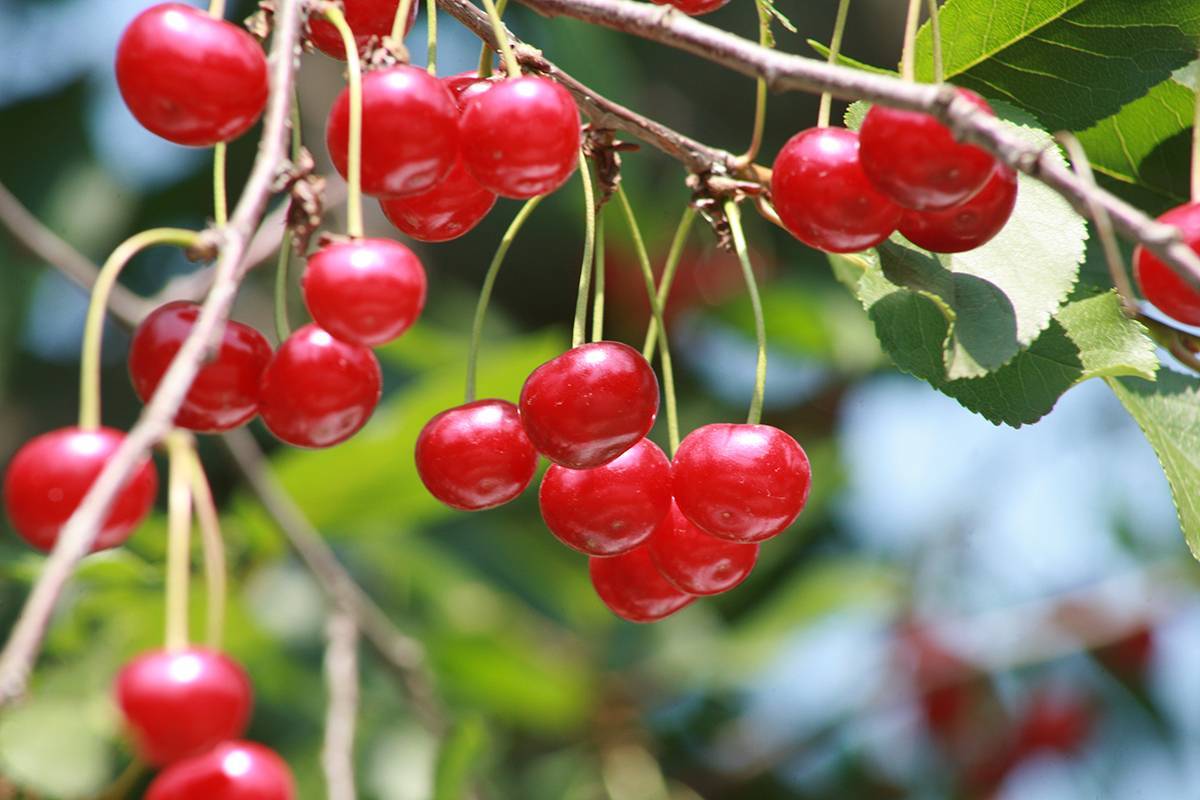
935	30
220	204
354	214
431	27
835	50
179	528
283	327
485	293
656	308
93	330
908	56
400	21
734	215
668	276
214	549
216	9
579	329
510	58
486	54
760	94
598	278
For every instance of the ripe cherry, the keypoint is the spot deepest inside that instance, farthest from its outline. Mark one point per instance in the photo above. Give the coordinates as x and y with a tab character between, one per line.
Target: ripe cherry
183	703
610	509
366	18
364	291
632	587
476	456
741	482
465	85
224	394
190	78
450	209
587	406
49	476
971	224
318	391
696	562
824	198
913	159
409	132
1170	293
230	771
694	7
521	138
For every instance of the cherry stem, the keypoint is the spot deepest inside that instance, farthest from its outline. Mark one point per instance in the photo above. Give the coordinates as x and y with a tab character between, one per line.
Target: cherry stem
93	329
214	549
431	28
216	9
908	56
485	293
760	94
400	21
283	327
668	276
579	330
835	50
656	308
935	30
598	279
354	214
179	529
734	215
510	57
487	55
220	204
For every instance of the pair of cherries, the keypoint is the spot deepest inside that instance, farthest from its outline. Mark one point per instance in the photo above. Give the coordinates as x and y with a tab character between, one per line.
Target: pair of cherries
844	192
185	710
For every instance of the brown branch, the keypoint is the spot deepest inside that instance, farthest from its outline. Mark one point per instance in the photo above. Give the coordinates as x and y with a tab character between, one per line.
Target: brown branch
341	684
77	536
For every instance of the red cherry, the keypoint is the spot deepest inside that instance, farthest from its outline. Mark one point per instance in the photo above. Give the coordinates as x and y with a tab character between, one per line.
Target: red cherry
224	394
409	132
969	225
49	476
632	587
476	456
914	159
824	198
466	85
189	78
694	7
230	771
587	406
364	291
610	509
318	391
521	138
741	482
1169	293
366	18
450	209
183	703
696	562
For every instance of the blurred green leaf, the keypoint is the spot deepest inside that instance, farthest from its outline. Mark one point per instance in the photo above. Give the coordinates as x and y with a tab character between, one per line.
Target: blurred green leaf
47	746
457	759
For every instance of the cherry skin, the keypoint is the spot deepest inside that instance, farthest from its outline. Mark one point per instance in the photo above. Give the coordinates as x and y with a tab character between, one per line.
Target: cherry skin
465	85
183	703
584	408
696	562
1169	293
476	456
746	483
632	587
971	224
366	18
824	198
230	771
913	159
189	78
447	211
610	509
409	132
520	138
318	391
224	394
49	476
694	8
364	291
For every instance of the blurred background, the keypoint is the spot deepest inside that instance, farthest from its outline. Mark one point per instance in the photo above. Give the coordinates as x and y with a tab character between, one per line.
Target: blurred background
962	611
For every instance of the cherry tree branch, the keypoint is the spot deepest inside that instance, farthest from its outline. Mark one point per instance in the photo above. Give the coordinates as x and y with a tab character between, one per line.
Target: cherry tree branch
78	535
341	684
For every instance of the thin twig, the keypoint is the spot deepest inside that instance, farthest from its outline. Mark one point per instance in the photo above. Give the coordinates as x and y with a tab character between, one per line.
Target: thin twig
341	714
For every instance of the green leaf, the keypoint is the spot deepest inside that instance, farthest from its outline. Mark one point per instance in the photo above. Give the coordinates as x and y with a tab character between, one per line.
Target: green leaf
49	747
458	757
846	61
1168	412
1070	62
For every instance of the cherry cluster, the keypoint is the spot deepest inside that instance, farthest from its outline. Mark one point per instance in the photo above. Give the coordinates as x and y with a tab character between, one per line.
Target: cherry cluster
658	532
